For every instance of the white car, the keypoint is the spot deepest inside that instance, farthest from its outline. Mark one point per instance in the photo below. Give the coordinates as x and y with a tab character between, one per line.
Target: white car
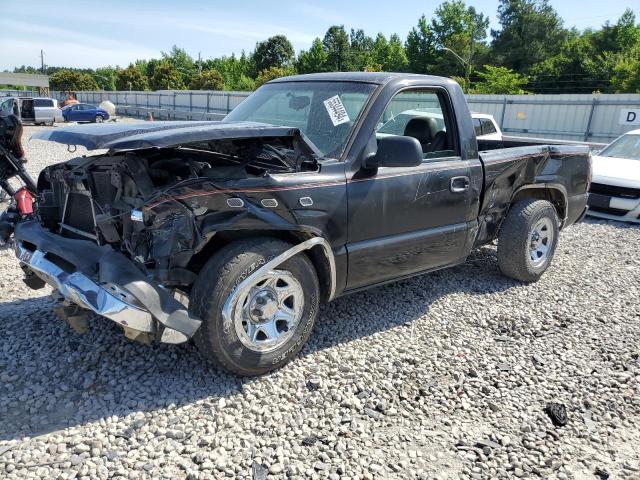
486	127
615	187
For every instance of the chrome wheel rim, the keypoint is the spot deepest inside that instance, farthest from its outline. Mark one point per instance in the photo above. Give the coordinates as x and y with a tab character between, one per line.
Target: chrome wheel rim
268	311
540	242
99	119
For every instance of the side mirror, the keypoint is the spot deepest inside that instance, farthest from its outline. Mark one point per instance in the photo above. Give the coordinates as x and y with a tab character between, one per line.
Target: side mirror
395	151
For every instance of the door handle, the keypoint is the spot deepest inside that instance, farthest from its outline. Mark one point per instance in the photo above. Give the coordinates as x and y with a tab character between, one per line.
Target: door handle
459	184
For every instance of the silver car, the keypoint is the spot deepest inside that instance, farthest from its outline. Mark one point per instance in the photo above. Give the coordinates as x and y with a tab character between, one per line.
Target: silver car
41	111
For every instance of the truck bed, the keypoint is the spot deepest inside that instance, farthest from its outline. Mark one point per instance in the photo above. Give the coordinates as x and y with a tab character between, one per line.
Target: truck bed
512	166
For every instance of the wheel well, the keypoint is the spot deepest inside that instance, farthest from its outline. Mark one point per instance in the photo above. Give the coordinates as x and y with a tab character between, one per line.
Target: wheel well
552	195
315	254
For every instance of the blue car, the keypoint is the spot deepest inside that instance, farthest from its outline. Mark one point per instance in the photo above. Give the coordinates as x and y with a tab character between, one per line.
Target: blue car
83	112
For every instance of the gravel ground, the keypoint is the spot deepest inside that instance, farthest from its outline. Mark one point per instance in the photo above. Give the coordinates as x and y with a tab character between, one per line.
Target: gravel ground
442	376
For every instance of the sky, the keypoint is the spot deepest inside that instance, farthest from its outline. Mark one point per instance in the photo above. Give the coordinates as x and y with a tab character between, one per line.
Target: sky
79	33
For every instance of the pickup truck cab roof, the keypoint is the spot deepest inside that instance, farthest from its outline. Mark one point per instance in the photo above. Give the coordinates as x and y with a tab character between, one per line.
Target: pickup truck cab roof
378	78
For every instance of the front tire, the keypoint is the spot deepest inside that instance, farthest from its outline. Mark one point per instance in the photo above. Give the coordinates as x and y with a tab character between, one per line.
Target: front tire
270	320
99	119
528	240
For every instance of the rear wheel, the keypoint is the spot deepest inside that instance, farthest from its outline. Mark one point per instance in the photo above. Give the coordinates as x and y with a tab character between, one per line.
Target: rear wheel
528	240
270	319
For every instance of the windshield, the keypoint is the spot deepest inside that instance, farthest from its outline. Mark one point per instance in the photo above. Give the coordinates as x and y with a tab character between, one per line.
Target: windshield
325	112
627	146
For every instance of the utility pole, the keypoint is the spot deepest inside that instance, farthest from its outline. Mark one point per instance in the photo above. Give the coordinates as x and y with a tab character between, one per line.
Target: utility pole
199	62
42	61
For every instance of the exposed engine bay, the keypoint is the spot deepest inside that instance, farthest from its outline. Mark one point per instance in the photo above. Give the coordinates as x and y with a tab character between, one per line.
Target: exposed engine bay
138	202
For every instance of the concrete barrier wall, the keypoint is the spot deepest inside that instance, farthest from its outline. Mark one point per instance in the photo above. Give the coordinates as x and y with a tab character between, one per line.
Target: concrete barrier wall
589	117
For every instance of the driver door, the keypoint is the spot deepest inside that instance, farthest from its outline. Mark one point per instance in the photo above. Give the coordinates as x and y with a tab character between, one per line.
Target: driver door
404	220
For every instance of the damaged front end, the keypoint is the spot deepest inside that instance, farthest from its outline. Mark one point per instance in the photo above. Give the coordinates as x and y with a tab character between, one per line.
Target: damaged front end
117	233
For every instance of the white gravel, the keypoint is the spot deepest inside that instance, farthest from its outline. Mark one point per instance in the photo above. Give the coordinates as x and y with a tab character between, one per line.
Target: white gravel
400	382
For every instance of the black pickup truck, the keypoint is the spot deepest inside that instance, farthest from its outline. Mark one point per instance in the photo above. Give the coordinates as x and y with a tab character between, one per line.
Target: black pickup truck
233	232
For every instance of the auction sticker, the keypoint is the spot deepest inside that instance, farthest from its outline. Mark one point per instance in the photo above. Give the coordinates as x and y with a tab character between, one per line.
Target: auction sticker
337	112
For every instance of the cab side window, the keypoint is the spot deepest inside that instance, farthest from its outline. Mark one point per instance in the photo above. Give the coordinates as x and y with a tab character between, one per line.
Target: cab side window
421	114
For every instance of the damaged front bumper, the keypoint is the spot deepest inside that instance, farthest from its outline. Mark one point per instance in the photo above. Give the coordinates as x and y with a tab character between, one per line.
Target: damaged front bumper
104	281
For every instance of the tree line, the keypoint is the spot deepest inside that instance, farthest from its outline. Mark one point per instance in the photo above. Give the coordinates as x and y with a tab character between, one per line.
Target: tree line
532	51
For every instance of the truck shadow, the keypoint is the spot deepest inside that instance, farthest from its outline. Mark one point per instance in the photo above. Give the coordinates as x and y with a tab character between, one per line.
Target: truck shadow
52	378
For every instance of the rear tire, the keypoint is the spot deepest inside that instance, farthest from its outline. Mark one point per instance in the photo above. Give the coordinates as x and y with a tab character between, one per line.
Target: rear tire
528	239
271	320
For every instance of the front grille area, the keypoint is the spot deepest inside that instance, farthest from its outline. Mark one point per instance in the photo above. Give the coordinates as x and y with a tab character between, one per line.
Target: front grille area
609	211
613	191
78	213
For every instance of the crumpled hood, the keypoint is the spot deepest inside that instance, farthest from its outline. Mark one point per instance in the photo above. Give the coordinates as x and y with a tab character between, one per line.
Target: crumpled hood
621	172
133	136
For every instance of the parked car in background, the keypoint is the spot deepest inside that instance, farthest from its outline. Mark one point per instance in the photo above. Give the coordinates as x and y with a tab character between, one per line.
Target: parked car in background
40	111
486	126
424	123
84	112
615	188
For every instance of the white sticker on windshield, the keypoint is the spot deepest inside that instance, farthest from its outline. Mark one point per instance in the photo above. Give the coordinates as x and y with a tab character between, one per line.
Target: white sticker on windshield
336	111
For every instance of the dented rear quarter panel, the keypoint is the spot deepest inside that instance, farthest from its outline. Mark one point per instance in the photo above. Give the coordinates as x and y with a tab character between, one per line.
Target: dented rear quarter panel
507	172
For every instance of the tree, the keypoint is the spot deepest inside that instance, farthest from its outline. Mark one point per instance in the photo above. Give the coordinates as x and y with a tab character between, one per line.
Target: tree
571	70
361	49
388	54
131	78
208	80
500	80
312	60
106	77
72	80
531	31
244	84
420	47
166	77
273	73
276	51
396	59
626	73
338	49
462	30
181	62
236	71
622	36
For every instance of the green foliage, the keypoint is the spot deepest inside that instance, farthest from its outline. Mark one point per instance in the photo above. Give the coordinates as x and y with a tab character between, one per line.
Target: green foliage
420	47
500	80
273	73
237	72
166	77
531	31
338	49
360	50
312	60
131	78
530	50
244	84
208	80
463	30
626	73
106	77
181	62
276	51
72	80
